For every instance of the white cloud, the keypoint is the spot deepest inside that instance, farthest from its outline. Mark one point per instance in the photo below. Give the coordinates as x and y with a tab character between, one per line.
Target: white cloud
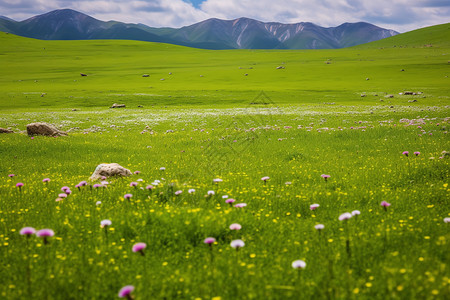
401	15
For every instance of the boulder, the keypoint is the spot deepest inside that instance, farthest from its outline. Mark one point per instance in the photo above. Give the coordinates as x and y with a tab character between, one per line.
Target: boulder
115	105
42	128
4	130
109	170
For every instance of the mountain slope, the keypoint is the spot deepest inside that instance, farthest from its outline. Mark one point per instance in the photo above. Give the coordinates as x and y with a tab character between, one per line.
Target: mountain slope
242	33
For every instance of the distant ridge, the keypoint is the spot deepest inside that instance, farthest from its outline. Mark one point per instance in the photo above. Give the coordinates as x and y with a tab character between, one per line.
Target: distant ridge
242	33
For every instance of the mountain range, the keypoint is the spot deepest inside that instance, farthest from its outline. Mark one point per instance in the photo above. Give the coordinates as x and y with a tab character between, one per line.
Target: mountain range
242	33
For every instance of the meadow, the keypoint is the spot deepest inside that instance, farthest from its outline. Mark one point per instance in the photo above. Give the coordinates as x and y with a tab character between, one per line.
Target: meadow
208	133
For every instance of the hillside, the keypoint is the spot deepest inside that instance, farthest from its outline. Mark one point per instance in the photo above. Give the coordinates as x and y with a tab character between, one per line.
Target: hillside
242	33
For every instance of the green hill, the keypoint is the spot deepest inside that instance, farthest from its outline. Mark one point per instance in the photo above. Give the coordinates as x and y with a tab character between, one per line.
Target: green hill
433	36
38	73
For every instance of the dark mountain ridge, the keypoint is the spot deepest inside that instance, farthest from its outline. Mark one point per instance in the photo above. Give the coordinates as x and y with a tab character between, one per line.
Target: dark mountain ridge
242	33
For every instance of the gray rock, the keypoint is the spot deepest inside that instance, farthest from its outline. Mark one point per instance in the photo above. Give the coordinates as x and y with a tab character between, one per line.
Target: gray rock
109	170
4	130
115	105
42	128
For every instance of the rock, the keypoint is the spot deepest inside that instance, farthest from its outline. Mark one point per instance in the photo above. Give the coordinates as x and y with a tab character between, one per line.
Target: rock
363	95
408	93
327	62
145	75
140	106
412	101
4	130
367	78
109	170
41	128
280	67
389	96
246	74
74	109
83	75
115	105
402	70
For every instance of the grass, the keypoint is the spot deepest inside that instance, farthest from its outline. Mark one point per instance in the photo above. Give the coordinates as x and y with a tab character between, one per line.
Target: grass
313	121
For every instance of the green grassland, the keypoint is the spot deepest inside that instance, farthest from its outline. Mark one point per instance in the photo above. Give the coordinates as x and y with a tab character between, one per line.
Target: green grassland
310	120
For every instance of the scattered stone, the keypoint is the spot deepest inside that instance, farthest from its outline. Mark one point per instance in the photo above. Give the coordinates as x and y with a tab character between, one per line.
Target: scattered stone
402	70
145	75
4	130
412	101
43	94
246	74
367	78
115	105
328	62
83	75
201	75
162	79
170	73
363	95
408	93
389	96
109	170
280	67
392	106
74	109
42	128
140	106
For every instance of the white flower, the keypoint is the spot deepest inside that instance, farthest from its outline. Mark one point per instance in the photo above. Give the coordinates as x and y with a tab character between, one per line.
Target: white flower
237	244
446	220
319	226
191	191
345	216
104	223
224	196
217	180
162	169
356	212
98	202
211	193
298	264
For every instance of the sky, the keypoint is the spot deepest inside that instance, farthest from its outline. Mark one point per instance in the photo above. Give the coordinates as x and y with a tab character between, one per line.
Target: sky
399	15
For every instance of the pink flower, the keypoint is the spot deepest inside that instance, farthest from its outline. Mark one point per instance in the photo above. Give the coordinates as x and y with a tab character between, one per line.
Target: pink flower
19	185
345	216
325	176
133	184
46	180
235	226
27	231
236	244
385	204
191	191
298	264
45	233
230	201
313	206
178	192
127	196
265	178
64	188
68	192
83	183
137	172
126	291
209	240
139	247
356	212
62	195
150	187
446	220
416	153
97	185
240	205
405	153
11	175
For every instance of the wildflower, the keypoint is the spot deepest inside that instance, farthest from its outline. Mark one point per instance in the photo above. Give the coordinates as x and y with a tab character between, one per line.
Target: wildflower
127	196
191	191
385	205
105	183
68	192
45	233
313	206
298	264
230	201
178	192
217	180
133	184
46	180
265	178
356	212
224	196
83	183
62	195
19	185
137	172
325	176
210	193
150	187
319	227
235	226
288	183
97	185
139	247
416	153
11	175
405	153
64	188
446	220
236	244
103	178
105	223
209	240
126	291
345	216
28	231
162	169
240	205
59	199
98	203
